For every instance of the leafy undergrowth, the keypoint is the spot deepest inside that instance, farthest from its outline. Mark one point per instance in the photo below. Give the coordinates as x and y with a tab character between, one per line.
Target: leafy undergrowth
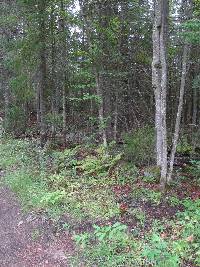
115	211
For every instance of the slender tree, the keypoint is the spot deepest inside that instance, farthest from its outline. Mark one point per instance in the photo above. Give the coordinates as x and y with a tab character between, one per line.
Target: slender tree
159	80
42	68
186	53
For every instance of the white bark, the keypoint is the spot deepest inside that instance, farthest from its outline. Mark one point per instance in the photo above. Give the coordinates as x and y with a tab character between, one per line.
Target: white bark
179	112
156	73
159	82
163	56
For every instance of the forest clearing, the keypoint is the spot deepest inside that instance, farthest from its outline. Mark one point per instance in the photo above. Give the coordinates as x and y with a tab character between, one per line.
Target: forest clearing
99	133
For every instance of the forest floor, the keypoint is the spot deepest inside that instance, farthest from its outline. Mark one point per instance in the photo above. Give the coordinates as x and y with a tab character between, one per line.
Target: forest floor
29	240
33	240
85	207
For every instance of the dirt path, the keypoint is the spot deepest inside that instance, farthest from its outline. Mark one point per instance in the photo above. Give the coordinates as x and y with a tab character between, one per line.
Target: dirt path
28	240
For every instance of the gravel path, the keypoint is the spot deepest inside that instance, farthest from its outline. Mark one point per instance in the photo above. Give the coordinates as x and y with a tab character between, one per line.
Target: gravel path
17	246
12	239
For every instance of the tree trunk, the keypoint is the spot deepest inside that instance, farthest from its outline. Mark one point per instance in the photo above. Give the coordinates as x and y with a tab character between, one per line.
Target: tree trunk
179	112
53	76
195	102
64	67
102	130
115	118
159	82
6	105
38	104
163	55
43	71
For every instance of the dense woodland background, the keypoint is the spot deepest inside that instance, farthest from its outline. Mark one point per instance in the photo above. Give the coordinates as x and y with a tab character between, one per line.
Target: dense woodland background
82	70
100	130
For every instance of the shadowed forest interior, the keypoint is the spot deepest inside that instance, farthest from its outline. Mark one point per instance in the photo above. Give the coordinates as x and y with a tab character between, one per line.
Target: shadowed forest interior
100	124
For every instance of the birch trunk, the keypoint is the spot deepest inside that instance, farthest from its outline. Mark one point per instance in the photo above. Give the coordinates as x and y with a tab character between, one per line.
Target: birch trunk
163	56
156	77
159	82
179	112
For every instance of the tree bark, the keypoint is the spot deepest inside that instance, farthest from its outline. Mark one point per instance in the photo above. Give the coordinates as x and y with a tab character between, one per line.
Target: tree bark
195	106
179	112
64	67
159	82
102	129
43	70
115	118
54	95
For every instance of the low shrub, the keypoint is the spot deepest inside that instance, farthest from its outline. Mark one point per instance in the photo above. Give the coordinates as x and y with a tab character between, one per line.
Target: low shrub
80	182
140	146
195	170
169	243
76	181
183	146
108	245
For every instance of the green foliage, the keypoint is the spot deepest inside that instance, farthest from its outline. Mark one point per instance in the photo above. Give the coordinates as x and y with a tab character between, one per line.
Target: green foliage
144	194
174	201
140	146
86	182
139	214
27	188
195	169
148	178
16	120
99	164
189	225
63	160
83	174
82	239
126	173
20	160
157	252
53	198
154	197
75	180
113	245
54	181
115	232
183	146
54	120
192	32
106	246
196	83
20	86
16	153
86	97
151	174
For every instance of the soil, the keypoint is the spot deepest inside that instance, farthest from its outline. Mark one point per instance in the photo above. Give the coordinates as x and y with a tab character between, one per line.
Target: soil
29	240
